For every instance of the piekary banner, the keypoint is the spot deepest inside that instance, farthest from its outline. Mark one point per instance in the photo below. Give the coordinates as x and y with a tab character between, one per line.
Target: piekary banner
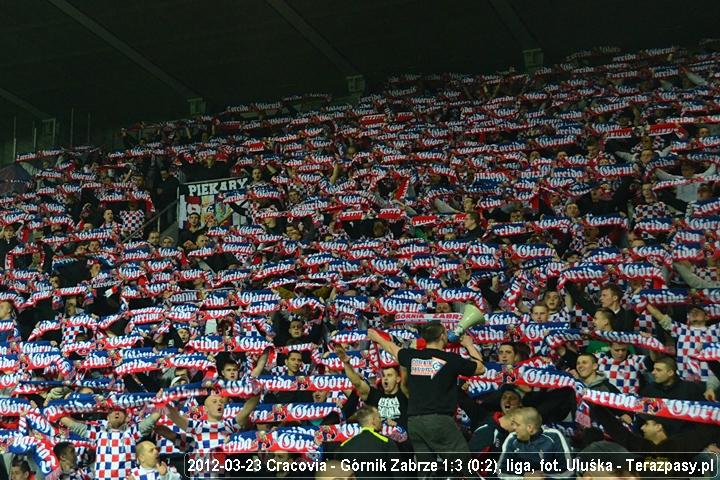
204	198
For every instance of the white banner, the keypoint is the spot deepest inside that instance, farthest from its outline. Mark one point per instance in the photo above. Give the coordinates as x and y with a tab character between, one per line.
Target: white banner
202	198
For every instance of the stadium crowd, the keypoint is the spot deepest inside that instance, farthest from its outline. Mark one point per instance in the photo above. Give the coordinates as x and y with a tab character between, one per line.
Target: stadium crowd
577	208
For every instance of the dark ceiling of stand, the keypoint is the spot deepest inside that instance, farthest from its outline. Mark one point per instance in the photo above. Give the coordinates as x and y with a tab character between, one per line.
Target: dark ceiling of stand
235	51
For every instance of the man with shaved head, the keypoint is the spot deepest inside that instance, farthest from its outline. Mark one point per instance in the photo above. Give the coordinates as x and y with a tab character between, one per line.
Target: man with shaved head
530	444
149	466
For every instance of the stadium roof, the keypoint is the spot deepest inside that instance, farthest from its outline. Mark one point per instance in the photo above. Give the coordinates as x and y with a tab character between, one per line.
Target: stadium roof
142	59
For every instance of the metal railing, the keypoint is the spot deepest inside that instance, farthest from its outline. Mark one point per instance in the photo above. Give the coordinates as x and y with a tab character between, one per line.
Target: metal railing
156	218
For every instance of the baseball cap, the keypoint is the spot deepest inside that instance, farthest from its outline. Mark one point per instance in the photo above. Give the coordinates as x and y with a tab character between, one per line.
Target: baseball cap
670	426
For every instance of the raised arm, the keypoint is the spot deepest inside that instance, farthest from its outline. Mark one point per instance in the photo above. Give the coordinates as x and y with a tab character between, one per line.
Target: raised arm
710	171
711	386
177	418
696	79
77	427
579	298
384	343
148	423
466	341
260	365
337	170
663	175
358	382
166	432
692	280
664	320
242	417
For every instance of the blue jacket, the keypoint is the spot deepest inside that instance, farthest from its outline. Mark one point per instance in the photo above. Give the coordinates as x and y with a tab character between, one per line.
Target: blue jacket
548	445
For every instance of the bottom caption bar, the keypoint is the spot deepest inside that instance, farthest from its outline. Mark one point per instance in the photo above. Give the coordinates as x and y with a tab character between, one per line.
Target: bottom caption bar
455	465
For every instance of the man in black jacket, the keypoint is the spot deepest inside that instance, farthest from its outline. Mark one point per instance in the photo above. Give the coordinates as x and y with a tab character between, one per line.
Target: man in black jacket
369	446
191	231
610	297
668	385
473	230
596	202
164	193
166	189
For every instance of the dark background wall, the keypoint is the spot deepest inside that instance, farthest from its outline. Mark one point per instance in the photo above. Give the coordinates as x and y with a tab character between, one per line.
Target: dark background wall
55	56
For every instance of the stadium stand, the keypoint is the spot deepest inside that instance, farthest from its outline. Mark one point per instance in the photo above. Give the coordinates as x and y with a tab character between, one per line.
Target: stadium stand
577	207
